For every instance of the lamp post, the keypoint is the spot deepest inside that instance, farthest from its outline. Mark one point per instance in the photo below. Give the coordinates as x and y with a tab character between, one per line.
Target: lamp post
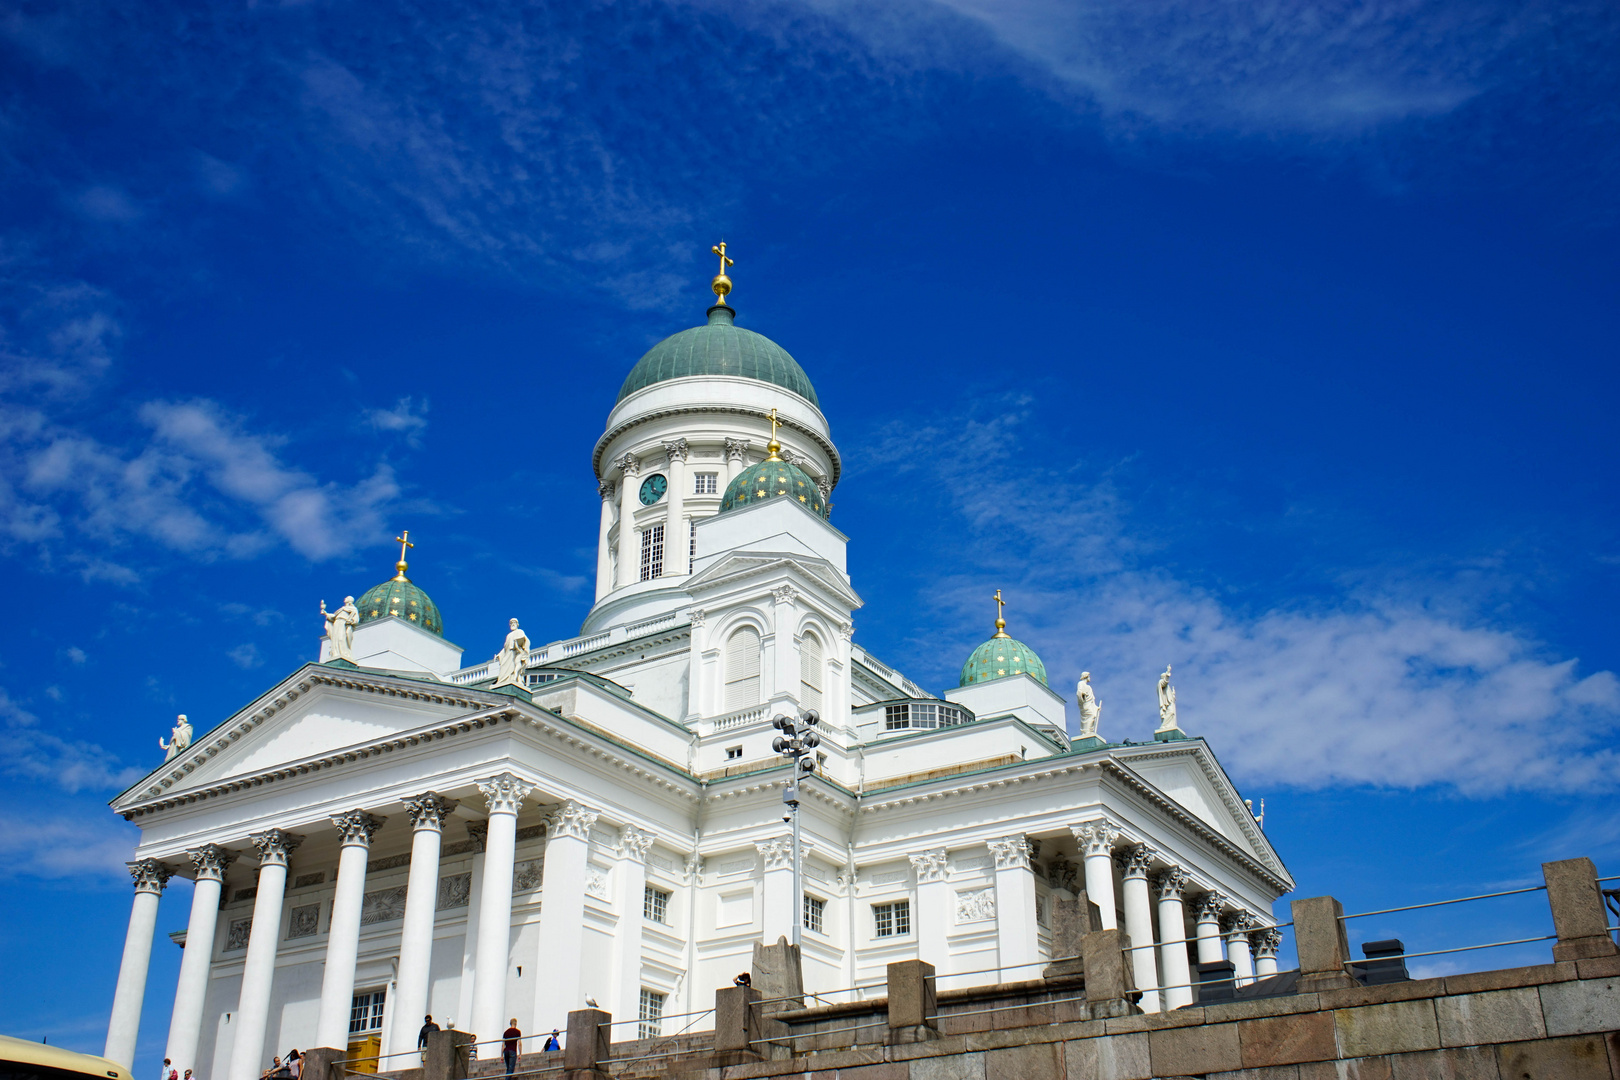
796	742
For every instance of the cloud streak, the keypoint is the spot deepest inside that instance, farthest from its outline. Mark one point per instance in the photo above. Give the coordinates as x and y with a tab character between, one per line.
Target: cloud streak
1381	684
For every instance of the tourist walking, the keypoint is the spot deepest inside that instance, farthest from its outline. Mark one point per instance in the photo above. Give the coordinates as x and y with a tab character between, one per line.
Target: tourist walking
509	1047
551	1041
421	1036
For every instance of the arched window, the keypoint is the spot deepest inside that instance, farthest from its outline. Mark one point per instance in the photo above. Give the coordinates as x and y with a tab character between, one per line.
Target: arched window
810	672
742	668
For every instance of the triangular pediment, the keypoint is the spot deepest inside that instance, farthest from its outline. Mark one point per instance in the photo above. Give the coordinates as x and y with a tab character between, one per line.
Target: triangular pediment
738	566
316	710
1186	773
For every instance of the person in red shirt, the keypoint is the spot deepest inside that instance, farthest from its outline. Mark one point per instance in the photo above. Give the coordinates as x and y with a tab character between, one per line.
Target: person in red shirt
509	1048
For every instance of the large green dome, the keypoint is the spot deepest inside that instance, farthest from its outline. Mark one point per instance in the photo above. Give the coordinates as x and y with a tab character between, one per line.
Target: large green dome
773	480
399	596
719	348
1000	657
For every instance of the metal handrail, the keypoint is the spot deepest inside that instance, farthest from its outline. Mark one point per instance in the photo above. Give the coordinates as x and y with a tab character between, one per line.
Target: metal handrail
649	1020
999	970
822	1031
1004	1008
1437	952
1442	903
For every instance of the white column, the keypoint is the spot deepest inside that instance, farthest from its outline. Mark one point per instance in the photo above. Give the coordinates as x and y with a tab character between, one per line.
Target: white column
631	852
504	794
356	828
736	458
629	539
698	691
935	909
562	914
1173	939
779	907
1017	933
1207	925
1237	946
259	966
1266	943
1139	923
427	813
604	554
1096	840
478	833
185	1023
677	543
784	677
839	710
125	1025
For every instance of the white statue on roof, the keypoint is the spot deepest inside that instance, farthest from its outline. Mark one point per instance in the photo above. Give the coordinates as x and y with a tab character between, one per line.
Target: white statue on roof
512	662
1090	707
179	738
340	626
1167	704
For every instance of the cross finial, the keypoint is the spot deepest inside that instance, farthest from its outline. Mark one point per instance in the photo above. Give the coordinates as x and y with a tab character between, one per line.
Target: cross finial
1001	623
403	542
722	284
773	448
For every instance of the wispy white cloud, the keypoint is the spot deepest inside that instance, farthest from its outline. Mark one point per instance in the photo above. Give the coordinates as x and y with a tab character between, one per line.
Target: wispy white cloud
79	844
1385	683
29	751
246	656
406	418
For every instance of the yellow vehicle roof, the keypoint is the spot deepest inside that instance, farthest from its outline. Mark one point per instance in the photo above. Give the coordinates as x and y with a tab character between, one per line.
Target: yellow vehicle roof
28	1052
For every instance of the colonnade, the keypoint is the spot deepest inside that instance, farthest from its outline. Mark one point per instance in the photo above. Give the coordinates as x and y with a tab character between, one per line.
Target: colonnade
563	885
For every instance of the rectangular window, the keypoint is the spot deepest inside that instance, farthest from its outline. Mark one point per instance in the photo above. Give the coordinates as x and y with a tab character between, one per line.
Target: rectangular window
896	718
652	1014
733	753
366	1011
814	908
892	920
655	904
691	557
810	672
652	552
708	483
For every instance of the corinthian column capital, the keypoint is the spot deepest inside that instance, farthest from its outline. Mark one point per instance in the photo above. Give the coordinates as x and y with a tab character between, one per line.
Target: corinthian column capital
275	846
1096	837
1266	943
504	793
210	862
929	865
571	820
1134	861
633	843
150	875
629	466
1171	882
605	488
735	449
357	827
428	810
1239	923
778	854
1012	852
676	451
1209	907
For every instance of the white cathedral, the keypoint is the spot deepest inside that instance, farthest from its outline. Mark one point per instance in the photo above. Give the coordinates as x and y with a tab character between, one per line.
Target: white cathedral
398	834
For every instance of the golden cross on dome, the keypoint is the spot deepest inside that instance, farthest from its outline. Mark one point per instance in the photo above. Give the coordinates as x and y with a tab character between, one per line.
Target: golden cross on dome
774	447
1001	623
403	542
722	284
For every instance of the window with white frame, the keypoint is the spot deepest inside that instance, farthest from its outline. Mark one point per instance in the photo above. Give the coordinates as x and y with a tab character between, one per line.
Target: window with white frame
891	920
920	715
655	904
706	483
652	1014
733	753
742	668
652	552
810	671
814	909
366	1011
691	555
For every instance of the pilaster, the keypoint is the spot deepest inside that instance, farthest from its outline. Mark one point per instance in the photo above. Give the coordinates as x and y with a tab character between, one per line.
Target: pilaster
631	872
1017	933
936	908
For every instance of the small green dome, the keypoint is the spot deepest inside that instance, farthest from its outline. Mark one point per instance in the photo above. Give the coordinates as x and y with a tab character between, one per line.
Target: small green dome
999	657
398	596
719	348
773	480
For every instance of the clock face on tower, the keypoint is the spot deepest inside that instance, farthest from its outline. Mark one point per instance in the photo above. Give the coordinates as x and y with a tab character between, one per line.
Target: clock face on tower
653	488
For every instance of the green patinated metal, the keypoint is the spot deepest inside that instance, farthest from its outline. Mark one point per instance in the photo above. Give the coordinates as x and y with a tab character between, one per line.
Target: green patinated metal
719	348
402	598
774	480
1000	657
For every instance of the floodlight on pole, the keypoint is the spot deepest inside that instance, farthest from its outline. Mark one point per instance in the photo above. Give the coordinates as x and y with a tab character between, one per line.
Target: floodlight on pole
797	741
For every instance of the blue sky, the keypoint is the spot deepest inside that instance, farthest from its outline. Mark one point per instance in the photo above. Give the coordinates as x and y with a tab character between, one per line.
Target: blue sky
1273	340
